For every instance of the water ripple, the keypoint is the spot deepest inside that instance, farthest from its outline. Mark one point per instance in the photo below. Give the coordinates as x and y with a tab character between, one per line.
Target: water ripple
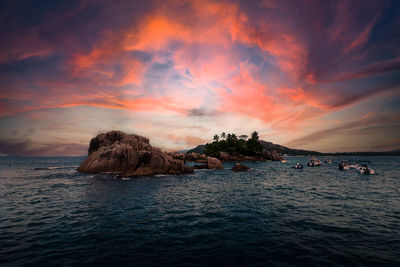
271	215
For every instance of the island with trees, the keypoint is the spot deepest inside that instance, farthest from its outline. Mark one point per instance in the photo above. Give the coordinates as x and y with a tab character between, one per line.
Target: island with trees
231	147
234	145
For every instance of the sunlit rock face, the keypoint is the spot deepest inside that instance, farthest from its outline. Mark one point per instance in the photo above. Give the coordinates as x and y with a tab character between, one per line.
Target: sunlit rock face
214	163
271	155
130	155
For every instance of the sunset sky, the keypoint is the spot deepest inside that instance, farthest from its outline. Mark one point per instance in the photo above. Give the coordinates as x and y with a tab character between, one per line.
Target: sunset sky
318	75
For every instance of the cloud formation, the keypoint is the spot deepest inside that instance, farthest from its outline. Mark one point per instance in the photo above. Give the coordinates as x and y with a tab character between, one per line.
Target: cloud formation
284	65
366	125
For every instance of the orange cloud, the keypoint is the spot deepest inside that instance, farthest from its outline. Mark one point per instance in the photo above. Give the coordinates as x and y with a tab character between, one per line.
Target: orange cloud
205	50
179	57
185	141
302	97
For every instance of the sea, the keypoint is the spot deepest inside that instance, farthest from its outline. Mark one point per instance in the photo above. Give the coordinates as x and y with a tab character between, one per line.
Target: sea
272	215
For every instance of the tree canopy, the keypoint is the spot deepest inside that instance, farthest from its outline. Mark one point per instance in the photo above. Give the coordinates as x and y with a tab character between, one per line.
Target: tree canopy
232	144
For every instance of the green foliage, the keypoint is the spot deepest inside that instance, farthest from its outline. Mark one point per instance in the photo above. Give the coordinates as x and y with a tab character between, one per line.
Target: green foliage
243	136
230	143
216	137
254	135
223	135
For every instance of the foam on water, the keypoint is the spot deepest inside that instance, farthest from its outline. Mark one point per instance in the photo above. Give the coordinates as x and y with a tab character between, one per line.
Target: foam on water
55	167
270	215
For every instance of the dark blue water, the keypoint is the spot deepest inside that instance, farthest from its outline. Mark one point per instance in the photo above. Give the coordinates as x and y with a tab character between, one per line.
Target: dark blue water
271	215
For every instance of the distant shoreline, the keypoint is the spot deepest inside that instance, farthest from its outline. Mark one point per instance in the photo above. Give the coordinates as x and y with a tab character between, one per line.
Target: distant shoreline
359	154
285	151
320	155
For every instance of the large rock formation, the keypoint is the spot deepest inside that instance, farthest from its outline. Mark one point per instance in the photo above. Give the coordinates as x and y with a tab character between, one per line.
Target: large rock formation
271	155
180	156
130	155
193	157
196	157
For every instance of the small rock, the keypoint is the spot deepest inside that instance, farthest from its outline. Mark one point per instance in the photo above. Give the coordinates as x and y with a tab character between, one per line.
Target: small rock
188	169
240	168
214	163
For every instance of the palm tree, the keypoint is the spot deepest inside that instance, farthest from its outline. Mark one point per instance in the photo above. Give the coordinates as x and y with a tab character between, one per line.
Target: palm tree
216	138
223	135
254	135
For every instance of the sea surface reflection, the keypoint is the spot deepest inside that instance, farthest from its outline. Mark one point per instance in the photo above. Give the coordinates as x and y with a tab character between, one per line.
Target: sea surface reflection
270	215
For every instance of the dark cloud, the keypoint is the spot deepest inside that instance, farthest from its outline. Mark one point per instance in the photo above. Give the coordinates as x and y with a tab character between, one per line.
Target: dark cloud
142	56
388	124
200	112
63	27
345	37
348	97
375	69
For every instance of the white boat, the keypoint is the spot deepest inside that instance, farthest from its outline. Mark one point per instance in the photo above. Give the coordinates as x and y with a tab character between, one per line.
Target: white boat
364	169
314	162
283	160
354	165
344	165
298	166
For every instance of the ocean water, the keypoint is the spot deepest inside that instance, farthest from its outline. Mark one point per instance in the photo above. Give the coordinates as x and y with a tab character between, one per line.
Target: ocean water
272	215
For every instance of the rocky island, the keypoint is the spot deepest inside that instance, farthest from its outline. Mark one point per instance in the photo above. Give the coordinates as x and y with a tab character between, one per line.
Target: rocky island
129	155
230	147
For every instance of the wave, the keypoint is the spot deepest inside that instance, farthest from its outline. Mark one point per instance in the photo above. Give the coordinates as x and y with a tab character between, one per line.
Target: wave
55	168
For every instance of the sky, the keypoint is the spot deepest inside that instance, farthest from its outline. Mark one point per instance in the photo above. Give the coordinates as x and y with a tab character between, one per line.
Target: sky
318	75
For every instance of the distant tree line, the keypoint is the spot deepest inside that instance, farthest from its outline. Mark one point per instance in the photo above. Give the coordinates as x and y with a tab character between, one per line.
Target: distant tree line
232	144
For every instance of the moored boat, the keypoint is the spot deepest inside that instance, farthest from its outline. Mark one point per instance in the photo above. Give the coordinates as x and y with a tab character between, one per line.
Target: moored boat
314	162
298	166
354	165
344	165
364	169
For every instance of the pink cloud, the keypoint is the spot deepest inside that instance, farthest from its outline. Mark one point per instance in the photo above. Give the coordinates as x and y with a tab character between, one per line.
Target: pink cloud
189	62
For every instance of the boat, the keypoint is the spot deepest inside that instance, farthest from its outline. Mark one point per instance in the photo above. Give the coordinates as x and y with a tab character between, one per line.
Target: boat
364	169
298	166
283	160
328	161
344	165
314	162
353	165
